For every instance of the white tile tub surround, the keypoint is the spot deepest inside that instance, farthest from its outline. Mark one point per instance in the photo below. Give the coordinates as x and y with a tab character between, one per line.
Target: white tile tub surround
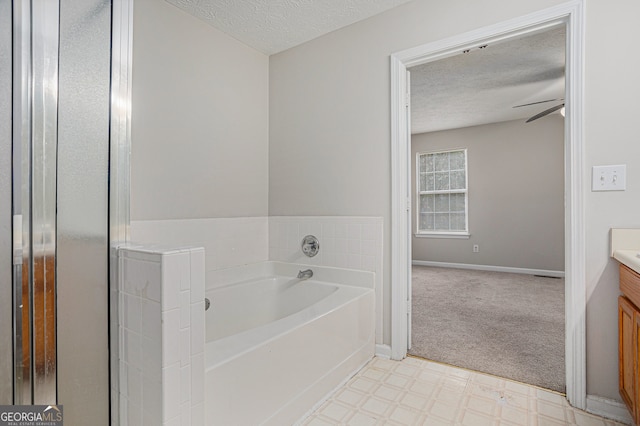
227	242
161	326
349	242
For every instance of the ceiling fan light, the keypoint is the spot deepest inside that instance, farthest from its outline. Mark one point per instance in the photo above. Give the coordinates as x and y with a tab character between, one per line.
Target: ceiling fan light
562	111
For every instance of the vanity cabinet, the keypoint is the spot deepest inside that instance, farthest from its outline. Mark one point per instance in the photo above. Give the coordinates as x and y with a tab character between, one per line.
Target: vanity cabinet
627	314
629	340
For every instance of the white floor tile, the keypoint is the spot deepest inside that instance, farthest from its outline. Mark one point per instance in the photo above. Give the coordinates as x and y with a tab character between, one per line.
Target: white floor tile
362	419
420	392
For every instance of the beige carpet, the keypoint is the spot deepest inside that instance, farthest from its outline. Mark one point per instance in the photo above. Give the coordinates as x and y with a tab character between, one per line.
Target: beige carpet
509	325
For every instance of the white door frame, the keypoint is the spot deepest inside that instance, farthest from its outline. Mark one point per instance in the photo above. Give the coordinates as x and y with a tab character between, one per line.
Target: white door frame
571	14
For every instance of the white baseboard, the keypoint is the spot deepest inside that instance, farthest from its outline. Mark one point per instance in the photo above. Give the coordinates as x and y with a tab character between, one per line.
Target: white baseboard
545	272
383	351
609	409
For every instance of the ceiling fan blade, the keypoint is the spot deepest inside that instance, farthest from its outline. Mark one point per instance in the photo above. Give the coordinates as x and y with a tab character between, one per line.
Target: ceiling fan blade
539	102
545	112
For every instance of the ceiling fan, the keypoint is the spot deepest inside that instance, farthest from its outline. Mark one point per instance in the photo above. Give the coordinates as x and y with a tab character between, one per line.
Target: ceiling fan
546	111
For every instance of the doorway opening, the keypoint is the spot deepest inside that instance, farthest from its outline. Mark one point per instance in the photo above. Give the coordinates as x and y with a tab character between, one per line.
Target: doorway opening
487	149
570	14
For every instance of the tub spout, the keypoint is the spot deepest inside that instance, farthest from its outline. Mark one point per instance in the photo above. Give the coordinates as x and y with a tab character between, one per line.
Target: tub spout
305	275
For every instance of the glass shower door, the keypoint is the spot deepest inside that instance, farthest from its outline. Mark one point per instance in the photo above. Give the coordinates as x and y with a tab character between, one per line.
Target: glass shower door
55	67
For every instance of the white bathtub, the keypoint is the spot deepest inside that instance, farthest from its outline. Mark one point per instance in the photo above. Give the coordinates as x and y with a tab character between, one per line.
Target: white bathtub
276	346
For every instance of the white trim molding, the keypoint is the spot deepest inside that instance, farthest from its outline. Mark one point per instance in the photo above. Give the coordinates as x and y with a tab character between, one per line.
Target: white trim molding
492	268
575	257
400	209
570	14
608	408
383	351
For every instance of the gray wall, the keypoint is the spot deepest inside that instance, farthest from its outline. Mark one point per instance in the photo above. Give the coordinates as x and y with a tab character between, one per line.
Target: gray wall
330	126
199	119
611	137
516	194
6	295
329	111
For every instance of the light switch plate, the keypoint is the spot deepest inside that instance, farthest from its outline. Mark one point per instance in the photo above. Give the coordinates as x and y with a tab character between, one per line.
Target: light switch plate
609	178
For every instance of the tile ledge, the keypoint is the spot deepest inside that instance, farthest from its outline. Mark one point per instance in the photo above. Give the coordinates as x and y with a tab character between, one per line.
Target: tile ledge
159	248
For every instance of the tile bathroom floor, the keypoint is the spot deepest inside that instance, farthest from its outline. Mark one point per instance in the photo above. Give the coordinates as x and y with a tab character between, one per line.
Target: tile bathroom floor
420	392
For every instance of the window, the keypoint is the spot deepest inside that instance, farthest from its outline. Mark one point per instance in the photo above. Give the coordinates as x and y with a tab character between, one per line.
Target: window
442	193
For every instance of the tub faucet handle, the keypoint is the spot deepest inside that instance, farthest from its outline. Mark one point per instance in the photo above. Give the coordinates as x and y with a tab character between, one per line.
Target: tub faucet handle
310	245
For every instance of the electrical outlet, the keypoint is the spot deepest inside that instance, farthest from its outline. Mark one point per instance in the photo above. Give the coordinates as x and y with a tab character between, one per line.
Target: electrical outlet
476	248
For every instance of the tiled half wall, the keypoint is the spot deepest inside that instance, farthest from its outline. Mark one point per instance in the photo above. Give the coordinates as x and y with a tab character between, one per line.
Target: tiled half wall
161	335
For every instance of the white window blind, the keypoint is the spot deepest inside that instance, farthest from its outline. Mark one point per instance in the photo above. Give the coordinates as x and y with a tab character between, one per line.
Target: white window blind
442	192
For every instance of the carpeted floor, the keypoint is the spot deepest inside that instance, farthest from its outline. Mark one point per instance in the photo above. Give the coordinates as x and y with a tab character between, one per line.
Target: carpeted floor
509	325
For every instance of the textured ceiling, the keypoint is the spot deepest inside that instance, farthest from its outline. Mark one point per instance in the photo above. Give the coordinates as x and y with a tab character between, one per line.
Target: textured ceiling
482	86
272	26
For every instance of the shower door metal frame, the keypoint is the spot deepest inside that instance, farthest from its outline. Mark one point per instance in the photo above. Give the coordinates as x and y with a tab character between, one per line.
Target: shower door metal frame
120	176
6	281
35	117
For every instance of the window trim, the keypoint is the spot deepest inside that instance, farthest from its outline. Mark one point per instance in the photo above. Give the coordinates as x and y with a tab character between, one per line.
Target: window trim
463	234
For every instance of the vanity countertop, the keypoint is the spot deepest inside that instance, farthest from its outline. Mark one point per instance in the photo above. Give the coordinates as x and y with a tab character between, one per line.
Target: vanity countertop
629	258
625	247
